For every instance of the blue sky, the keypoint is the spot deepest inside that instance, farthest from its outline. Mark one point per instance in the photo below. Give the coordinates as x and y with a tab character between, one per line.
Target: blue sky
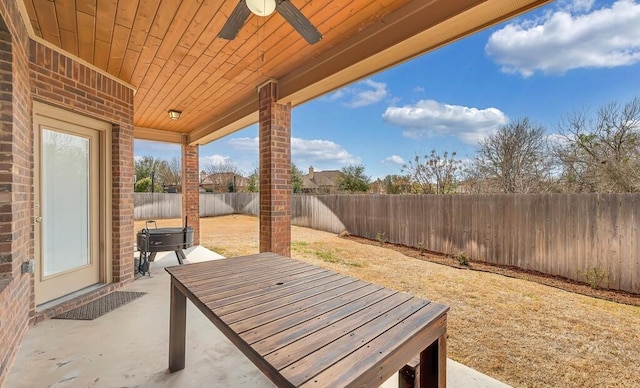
567	56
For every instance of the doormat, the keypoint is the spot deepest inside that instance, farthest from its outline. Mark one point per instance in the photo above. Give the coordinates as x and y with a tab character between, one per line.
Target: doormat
100	306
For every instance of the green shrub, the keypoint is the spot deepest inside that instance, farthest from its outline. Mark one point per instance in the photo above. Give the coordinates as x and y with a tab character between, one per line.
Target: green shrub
382	238
421	248
462	258
594	276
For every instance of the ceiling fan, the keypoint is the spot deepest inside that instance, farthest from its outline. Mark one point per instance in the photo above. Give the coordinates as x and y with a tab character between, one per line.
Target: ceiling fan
265	8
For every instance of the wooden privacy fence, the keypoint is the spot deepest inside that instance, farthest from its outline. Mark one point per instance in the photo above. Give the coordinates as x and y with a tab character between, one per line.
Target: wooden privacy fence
148	206
556	234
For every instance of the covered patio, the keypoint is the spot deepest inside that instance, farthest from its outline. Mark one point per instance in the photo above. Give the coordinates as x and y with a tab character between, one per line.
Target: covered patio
92	76
105	353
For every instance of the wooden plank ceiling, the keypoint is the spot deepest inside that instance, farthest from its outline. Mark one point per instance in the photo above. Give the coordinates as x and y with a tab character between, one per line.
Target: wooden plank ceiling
169	50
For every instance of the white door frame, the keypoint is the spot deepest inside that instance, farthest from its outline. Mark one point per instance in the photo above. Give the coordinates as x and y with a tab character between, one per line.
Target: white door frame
103	246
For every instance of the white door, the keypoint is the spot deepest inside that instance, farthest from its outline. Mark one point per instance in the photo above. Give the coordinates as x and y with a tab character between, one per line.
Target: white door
66	208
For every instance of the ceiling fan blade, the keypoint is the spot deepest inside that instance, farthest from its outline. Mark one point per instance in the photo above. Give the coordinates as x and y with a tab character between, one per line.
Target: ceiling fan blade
235	22
300	22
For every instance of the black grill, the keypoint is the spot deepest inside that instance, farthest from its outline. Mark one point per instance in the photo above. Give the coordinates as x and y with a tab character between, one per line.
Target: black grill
152	240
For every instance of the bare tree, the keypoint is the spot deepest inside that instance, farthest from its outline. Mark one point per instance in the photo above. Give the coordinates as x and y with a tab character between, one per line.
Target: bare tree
434	173
147	170
513	160
226	166
601	154
221	175
170	172
145	165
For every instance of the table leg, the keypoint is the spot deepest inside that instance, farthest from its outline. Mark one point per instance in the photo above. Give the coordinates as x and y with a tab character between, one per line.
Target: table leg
177	328
433	364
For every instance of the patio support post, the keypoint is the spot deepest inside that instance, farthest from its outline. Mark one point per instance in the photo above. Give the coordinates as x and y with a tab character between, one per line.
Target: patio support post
191	187
275	171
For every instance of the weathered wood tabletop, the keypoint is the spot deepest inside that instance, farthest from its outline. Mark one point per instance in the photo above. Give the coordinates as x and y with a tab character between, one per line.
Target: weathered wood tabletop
303	325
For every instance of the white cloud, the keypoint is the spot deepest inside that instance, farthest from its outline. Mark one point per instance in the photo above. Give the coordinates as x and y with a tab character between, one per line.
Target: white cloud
557	139
432	118
337	95
361	94
244	143
569	39
576	5
322	154
156	149
320	151
394	159
214	160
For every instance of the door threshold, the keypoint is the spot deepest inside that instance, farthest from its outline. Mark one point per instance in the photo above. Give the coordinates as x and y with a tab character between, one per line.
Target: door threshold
68	297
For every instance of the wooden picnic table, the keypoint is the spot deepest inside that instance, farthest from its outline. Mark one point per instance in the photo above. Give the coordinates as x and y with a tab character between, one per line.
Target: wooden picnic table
303	325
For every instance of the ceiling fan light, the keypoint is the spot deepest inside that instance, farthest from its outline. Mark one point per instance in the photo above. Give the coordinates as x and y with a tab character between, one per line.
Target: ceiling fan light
261	7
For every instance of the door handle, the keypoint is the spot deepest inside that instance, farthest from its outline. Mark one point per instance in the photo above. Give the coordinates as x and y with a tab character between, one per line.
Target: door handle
38	219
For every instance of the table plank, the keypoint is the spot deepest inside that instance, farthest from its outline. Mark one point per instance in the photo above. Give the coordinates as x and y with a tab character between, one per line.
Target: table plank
215	266
284	311
260	288
222	292
366	365
286	301
255	334
287	336
263	300
239	276
302	347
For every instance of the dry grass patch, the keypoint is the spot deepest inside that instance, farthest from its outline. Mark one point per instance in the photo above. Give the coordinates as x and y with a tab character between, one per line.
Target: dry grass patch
520	332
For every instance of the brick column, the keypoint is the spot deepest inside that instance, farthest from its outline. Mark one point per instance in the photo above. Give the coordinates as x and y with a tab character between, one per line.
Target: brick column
275	172
122	207
191	188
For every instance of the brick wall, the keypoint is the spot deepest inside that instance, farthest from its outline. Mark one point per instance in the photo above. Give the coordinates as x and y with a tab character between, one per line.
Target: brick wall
275	172
61	81
191	188
29	71
16	185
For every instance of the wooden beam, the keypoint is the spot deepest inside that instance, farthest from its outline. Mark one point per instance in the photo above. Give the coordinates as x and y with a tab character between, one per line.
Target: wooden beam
241	117
157	135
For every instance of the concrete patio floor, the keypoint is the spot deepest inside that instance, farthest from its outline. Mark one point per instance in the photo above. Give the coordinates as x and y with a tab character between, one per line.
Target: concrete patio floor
128	347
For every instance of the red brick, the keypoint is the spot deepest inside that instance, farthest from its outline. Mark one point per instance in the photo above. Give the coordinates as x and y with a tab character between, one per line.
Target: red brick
275	172
191	188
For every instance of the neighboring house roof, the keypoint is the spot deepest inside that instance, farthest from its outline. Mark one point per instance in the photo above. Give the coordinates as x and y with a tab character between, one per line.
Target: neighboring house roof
321	180
221	180
378	187
308	183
